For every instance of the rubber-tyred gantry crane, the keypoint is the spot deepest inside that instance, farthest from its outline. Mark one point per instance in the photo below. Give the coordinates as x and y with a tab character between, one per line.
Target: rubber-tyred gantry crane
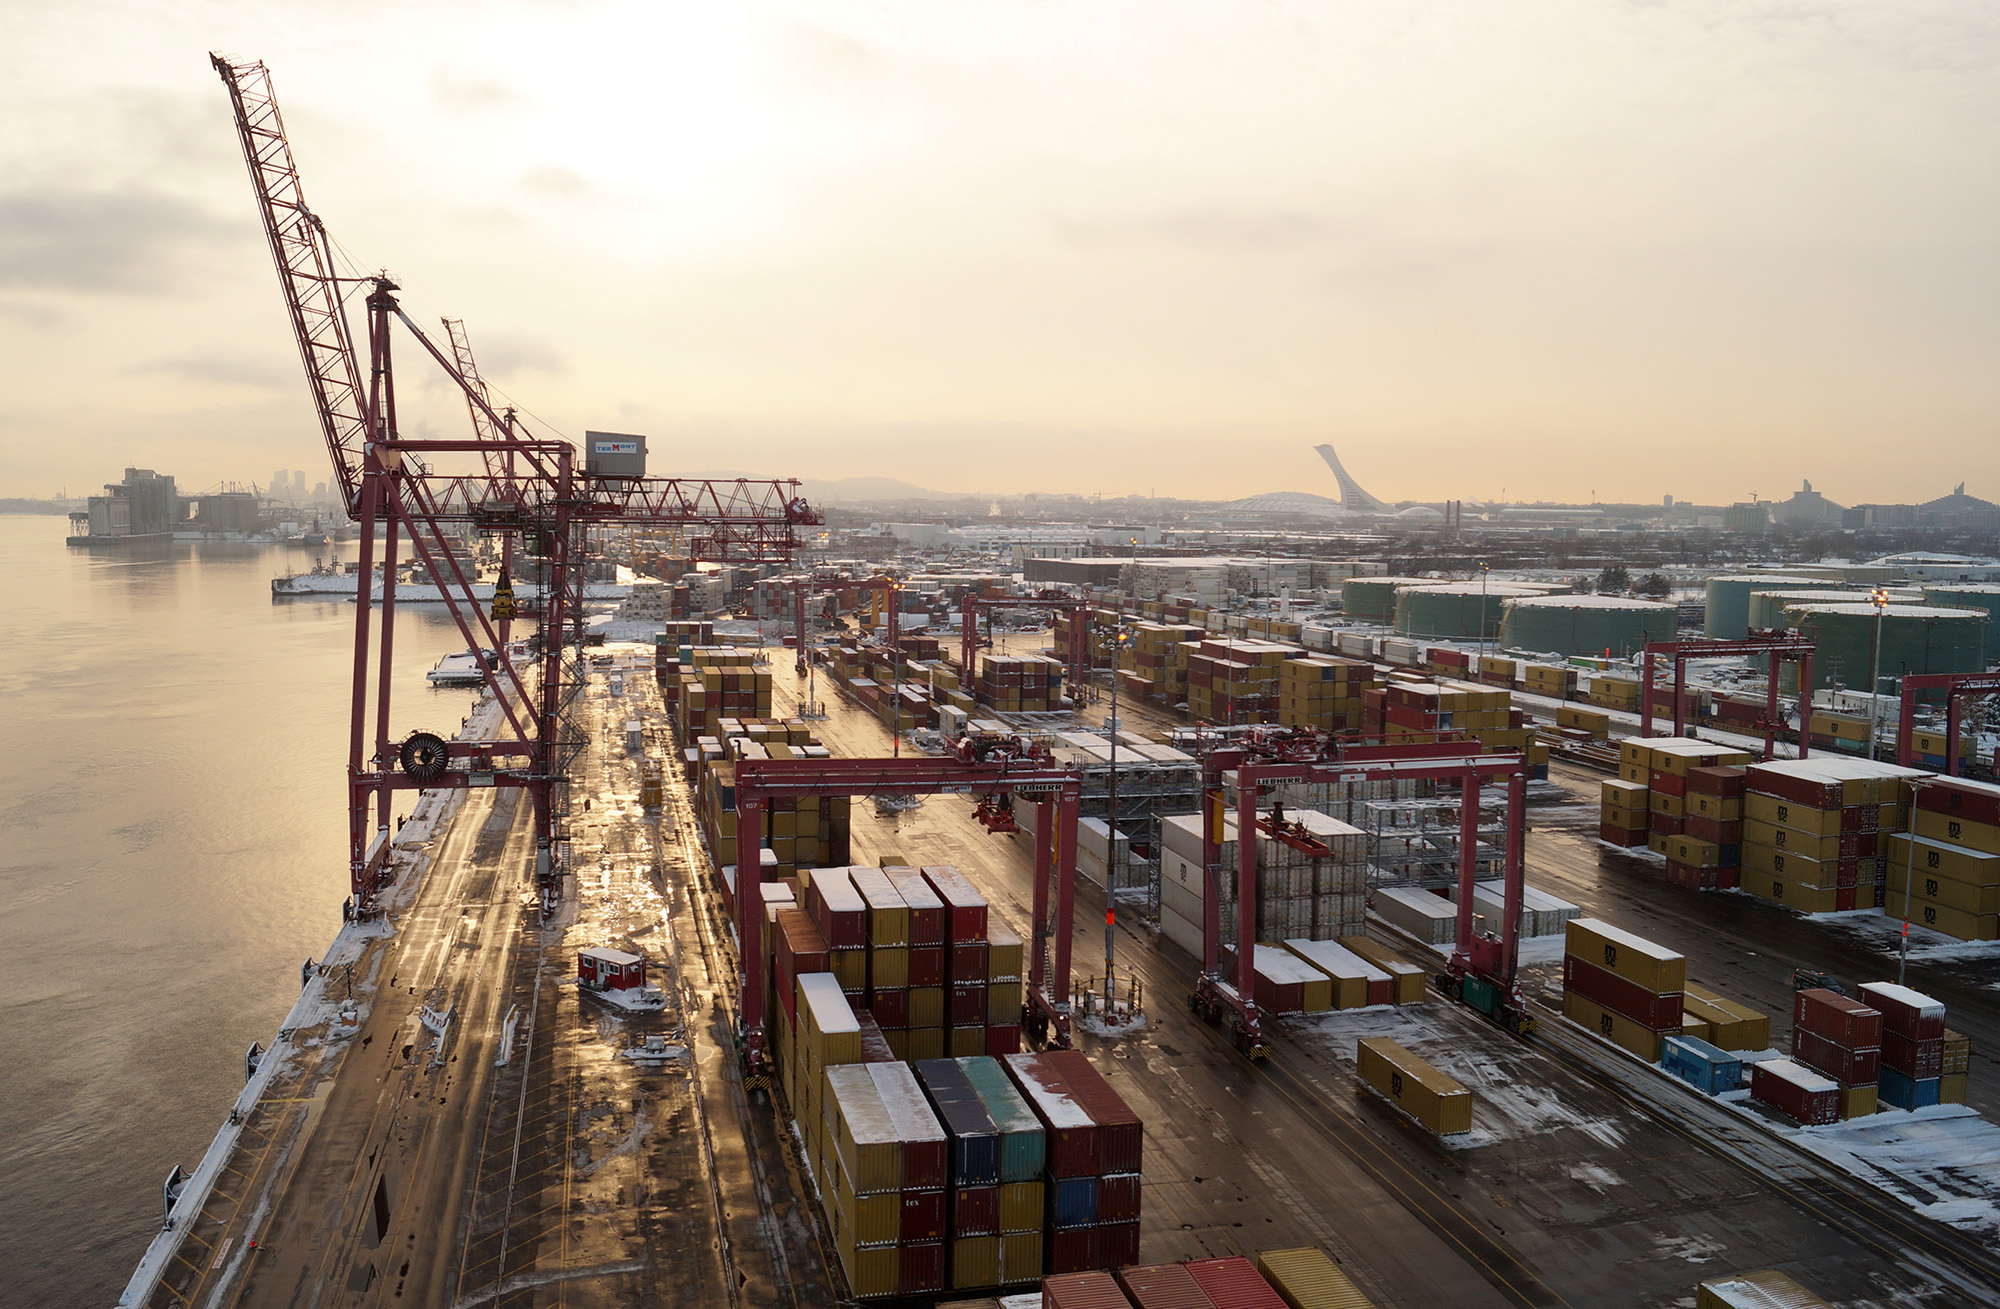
1956	687
1780	646
1483	968
527	487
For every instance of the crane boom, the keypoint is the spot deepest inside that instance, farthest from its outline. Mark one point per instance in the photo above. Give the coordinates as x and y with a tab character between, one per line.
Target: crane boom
305	272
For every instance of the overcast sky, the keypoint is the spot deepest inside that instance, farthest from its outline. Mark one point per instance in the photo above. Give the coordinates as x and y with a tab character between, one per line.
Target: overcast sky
1545	248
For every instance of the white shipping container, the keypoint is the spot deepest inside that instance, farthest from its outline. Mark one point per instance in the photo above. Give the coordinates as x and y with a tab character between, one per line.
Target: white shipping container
1431	919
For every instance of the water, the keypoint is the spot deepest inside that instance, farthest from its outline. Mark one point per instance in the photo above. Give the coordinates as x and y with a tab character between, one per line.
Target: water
172	847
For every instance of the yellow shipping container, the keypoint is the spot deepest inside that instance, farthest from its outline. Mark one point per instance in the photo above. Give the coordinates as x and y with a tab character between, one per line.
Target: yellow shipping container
1615	1028
1952	1088
1020	1258
1983	837
1758	807
1857	1101
1790	839
1935	888
1598	943
1720	808
1670	806
1973	867
1616	793
1429	1096
1306	1279
1796	895
1952	922
975	1262
1802	869
1020	1207
1765	1290
1736	1026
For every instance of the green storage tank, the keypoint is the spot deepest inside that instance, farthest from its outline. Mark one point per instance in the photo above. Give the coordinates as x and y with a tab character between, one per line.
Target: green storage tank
1767	608
1373	599
1727	616
1584	624
1915	639
1455	611
1984	596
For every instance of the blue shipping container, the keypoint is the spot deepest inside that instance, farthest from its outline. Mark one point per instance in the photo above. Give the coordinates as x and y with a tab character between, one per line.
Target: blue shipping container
1074	1201
1705	1067
975	1139
1906	1092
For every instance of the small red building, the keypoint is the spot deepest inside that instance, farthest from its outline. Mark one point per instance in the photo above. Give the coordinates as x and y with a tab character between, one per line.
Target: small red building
609	970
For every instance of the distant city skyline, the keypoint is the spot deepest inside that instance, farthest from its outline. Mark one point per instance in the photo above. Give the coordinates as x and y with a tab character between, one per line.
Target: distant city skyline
1702	249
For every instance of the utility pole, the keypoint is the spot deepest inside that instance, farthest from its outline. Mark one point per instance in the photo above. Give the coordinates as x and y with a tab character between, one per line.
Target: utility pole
1879	597
1119	637
1909	881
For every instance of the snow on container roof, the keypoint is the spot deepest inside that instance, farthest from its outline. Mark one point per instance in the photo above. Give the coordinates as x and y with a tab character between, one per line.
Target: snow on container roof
1687	746
860	1105
836	889
1278	964
1045	1086
1798	1075
618	957
1896	991
1824	768
1624	939
830	1010
1434	905
1004	1105
1769	1289
1335	959
908	1109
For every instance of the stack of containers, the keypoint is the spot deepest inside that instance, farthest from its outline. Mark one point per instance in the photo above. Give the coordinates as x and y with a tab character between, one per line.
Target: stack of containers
1913	1045
984	971
1808	1098
1015	684
1812	830
883	1174
1686	777
1408	979
826	1034
925	1035
1556	681
1023	1205
1722	1022
972	1205
1153	657
1355	983
1948	867
1093	1160
842	915
1702	1065
1626	989
1841	1039
1323	692
1163	1286
1234	681
1713	806
1283	982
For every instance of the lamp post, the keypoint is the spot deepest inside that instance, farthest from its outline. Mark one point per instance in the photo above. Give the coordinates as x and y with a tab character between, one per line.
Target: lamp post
1909	882
1879	597
1119	638
1485	569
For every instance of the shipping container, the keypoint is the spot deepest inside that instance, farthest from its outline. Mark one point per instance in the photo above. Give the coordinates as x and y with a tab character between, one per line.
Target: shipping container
1912	1058
921	1268
1022	1206
1306	1279
1823	1054
1414	1086
1796	1091
1164	1286
1905	1012
1410	980
927	912
1352	976
1706	1067
965	907
1118	1197
975	1139
1660	1013
1023	1143
1094	1289
1115	1244
1615	1028
1654	967
1858	1101
1841	1020
1121	1136
1764	1290
1233	1282
925	1151
1909	1092
974	1262
1071	1133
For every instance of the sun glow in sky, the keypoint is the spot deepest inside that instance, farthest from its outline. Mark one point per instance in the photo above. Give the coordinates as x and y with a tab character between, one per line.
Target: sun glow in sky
1700	248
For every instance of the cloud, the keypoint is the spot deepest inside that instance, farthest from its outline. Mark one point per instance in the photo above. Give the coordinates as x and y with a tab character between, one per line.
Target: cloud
469	92
510	354
211	365
556	180
1211	230
32	314
130	240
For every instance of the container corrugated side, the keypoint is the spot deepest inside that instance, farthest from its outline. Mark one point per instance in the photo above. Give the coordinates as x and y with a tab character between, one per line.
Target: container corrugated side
1084	1290
1768	1289
1121	1134
1429	1096
1307	1279
1652	966
1234	1282
1163	1286
1023	1143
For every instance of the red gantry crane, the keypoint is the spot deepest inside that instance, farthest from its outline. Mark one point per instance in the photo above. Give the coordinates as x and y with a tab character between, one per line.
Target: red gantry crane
1779	646
527	488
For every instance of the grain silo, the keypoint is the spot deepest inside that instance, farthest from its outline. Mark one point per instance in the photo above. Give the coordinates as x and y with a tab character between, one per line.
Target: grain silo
1584	624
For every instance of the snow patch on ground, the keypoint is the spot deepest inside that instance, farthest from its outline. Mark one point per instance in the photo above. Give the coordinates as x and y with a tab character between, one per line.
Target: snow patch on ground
1882	932
1096	1026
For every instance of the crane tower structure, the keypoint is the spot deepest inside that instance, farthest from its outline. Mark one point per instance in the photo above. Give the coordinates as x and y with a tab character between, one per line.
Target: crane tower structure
527	490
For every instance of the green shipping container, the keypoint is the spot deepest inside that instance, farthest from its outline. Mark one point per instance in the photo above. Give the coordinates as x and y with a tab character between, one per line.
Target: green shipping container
1022	1148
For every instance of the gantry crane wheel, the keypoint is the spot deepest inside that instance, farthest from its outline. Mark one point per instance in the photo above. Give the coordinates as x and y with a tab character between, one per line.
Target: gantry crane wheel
424	756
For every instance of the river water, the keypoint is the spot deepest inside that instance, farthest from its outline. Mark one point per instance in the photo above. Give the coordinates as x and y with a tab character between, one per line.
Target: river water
172	848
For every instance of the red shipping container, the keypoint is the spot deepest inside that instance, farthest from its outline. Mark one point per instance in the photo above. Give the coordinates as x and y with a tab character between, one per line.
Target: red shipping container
1116	1244
1960	799
1852	1067
1839	1019
839	910
964	906
1121	1136
920	1268
1695	879
1163	1286
1072	1135
1668	783
968	961
1915	1059
1118	1193
891	1008
1811	792
975	1211
968	1004
1627	837
1003	1039
926	906
1905	1012
1669	824
1725	780
1720	831
923	1216
1071	1250
1658	1013
1234	1282
1797	1092
1728	879
927	965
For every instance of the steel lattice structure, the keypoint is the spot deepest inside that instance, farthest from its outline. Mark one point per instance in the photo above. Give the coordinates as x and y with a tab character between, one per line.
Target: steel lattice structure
531	494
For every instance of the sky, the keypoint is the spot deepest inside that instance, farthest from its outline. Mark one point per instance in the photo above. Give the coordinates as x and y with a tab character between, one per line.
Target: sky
1531	249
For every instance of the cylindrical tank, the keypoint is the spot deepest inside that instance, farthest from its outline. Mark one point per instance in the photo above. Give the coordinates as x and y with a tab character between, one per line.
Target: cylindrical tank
1584	624
1373	599
1455	611
1983	596
1915	639
1767	608
1728	613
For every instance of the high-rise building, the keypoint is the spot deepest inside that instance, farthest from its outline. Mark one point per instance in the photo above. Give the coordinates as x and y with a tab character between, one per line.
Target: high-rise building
280	480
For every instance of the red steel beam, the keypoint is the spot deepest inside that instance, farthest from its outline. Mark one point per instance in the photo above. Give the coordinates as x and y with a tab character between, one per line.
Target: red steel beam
1956	687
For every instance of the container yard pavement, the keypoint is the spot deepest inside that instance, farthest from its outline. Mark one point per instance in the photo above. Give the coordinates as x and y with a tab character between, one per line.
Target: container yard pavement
1574	1188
